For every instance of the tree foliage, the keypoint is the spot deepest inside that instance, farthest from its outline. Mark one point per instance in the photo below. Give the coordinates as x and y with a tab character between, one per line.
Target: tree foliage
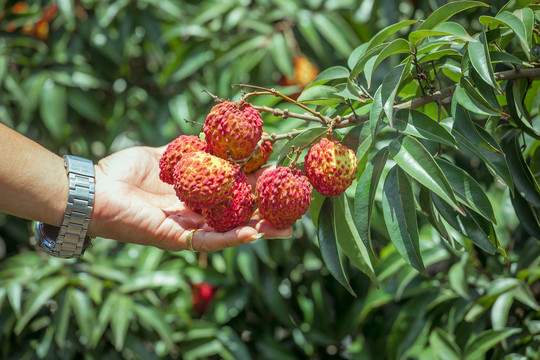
431	253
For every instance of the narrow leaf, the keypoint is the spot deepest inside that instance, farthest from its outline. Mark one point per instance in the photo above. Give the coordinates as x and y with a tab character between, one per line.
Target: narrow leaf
332	73
390	87
444	345
365	196
524	181
518	113
388	31
526	214
120	319
281	56
479	344
479	55
465	225
413	157
151	317
42	293
400	217
446	11
467	189
328	246
301	139
398	46
417	123
320	95
349	239
53	107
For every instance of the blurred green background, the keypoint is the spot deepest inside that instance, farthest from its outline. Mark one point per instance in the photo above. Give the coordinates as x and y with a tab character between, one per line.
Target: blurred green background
92	77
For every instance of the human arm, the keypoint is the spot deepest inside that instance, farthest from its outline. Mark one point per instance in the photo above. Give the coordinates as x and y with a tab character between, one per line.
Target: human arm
131	203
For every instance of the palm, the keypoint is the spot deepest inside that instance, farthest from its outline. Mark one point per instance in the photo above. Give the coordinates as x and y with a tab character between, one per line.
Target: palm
133	205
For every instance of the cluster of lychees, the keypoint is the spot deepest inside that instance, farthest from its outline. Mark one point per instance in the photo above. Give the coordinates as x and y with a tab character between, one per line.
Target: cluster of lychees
209	175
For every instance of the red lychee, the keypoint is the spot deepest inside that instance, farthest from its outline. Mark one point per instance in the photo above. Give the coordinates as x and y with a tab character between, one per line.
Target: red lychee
330	167
232	131
202	180
235	211
283	195
174	152
261	156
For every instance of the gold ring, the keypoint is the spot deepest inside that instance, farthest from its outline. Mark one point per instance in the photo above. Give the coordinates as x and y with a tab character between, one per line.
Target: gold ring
190	240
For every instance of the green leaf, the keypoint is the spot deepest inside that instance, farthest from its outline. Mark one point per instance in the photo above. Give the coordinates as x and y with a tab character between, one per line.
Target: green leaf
37	299
413	157
515	4
303	138
84	313
469	102
400	217
479	344
152	318
330	28
416	36
478	52
458	280
476	140
280	53
122	313
365	196
466	225
320	95
524	181
61	320
397	46
67	11
349	239
390	87
526	214
14	295
518	27
53	108
331	73
518	113
151	280
444	345
436	55
357	65
500	310
327	244
309	32
376	113
467	190
446	11
417	123
426	204
388	31
486	93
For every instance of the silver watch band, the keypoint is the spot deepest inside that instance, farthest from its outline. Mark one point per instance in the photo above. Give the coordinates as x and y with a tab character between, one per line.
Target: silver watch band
71	240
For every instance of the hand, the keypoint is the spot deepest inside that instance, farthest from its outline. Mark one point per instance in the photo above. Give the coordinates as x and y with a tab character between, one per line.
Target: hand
133	205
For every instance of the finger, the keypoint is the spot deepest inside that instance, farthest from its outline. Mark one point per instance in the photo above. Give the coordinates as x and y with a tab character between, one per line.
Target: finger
209	241
270	232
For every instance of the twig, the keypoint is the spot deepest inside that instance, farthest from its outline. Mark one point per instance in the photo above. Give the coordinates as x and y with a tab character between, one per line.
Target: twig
323	119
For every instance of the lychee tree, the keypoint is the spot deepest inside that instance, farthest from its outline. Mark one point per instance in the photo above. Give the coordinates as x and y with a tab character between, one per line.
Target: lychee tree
451	95
440	108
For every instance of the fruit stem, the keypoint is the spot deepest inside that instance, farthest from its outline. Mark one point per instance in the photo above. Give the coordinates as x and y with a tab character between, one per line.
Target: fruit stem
302	148
324	119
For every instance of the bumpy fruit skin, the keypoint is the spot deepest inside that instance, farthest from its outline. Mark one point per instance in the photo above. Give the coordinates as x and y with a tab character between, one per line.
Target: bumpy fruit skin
173	153
330	167
235	211
202	180
232	131
283	195
261	156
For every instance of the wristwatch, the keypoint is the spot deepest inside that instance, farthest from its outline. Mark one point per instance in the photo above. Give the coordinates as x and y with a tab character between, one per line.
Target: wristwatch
70	240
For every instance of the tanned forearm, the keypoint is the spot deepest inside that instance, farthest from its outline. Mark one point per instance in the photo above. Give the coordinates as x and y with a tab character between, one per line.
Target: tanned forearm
33	181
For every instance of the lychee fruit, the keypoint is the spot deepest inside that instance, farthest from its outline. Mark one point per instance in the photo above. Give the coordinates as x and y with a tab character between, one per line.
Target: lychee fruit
330	167
174	152
261	156
305	70
202	180
235	211
283	195
232	131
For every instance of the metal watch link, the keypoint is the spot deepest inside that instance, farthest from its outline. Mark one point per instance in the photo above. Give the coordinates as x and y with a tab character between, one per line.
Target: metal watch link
70	240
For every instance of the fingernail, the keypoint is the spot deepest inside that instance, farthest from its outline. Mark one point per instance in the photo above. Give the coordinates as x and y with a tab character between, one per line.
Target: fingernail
257	236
